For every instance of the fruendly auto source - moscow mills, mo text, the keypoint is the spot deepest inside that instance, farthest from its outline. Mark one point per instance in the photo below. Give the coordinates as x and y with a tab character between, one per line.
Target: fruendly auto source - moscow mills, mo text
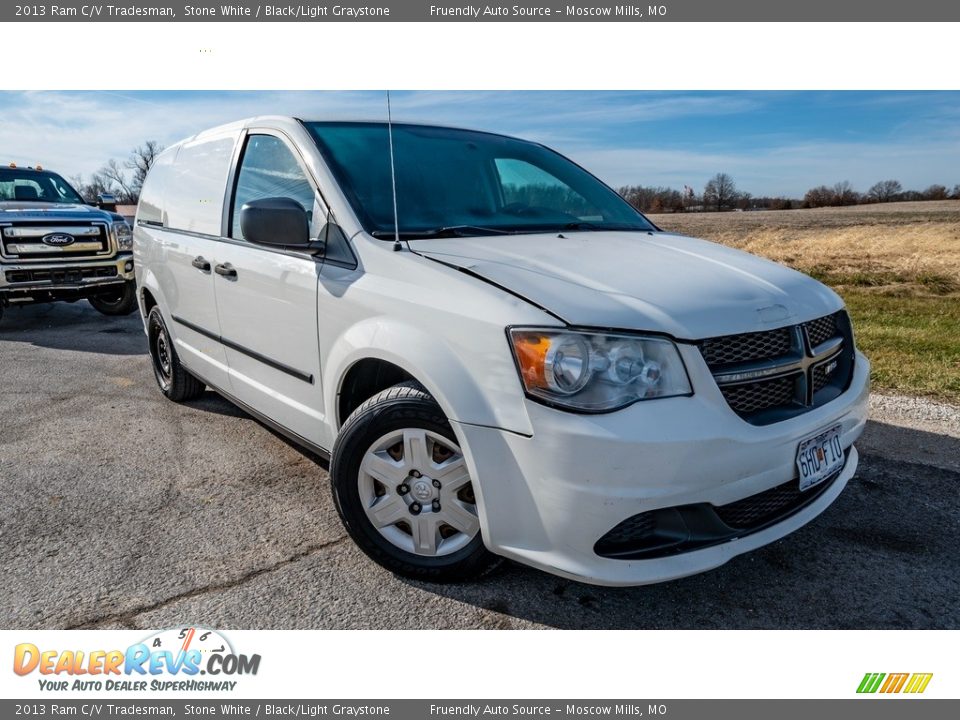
255	11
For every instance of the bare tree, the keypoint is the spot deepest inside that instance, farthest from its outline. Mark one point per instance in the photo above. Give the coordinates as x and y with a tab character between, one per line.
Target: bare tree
117	178
79	185
885	190
956	192
844	194
820	196
935	192
720	192
140	161
652	199
781	203
112	178
90	189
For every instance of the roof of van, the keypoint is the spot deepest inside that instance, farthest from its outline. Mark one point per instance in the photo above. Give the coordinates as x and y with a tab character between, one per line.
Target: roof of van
282	121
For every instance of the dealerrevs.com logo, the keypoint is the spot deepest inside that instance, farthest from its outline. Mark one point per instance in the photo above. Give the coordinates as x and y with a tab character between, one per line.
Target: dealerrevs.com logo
910	683
173	659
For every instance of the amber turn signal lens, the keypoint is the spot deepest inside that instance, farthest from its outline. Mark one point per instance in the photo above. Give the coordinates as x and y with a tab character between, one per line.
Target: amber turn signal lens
531	351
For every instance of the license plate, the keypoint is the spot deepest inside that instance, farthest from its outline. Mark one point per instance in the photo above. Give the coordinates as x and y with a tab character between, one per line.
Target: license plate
819	457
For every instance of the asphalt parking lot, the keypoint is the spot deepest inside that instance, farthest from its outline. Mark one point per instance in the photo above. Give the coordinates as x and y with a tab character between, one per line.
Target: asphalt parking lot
121	509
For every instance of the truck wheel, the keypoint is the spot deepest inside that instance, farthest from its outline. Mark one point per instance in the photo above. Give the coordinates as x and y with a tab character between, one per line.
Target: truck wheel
122	301
174	380
401	486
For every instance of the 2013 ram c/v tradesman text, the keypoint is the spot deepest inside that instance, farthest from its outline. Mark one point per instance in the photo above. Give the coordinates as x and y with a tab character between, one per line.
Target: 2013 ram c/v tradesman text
502	358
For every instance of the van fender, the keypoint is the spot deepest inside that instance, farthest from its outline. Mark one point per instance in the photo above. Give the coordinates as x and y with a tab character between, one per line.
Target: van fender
487	393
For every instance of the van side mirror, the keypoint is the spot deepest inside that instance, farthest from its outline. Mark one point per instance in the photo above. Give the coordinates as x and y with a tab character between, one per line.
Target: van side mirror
107	201
276	221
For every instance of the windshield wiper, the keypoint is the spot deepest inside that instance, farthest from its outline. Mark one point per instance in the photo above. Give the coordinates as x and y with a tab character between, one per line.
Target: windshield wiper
441	232
587	225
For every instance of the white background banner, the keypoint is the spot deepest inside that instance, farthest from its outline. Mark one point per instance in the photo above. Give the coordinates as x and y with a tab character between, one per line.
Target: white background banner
582	664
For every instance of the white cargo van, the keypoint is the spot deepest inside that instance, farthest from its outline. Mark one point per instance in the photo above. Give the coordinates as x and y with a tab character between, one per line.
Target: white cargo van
502	358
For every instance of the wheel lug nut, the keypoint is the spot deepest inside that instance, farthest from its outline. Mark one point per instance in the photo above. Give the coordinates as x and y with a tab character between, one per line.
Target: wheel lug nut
436	506
415	508
403	489
415	473
436	484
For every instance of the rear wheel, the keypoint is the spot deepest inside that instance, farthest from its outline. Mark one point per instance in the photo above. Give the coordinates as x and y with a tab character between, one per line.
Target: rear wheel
121	301
403	491
174	380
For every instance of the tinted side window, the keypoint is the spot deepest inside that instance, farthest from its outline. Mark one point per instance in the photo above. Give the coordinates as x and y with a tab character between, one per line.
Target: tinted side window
269	169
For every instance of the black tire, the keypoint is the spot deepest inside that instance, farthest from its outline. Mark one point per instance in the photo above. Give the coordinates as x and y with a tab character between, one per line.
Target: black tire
174	380
123	301
403	406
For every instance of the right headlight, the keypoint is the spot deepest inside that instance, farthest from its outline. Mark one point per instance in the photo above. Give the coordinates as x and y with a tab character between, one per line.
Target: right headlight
597	372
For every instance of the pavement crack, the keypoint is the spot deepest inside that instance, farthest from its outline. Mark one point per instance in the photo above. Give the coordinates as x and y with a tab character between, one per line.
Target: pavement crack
126	618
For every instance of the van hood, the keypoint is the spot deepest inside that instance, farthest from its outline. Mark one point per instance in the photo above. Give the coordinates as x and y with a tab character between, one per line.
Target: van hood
657	282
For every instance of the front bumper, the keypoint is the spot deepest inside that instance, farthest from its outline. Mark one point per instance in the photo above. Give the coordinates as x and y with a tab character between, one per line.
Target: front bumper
23	281
546	500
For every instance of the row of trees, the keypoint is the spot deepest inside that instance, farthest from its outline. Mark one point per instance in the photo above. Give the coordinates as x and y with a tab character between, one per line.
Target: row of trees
721	193
884	191
121	179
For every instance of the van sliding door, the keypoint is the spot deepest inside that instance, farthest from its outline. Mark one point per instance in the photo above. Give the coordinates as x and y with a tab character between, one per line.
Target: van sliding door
267	298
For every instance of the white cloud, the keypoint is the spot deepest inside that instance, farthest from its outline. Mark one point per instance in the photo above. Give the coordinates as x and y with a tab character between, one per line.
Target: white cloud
76	132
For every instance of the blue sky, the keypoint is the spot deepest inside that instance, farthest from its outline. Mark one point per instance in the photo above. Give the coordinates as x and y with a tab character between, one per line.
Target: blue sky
772	143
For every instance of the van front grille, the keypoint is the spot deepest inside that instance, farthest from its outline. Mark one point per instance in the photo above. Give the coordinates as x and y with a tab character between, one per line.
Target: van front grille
773	375
822	329
748	398
747	347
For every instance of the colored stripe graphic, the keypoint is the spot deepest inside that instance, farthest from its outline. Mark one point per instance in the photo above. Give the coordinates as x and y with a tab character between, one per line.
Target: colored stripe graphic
870	682
918	683
894	683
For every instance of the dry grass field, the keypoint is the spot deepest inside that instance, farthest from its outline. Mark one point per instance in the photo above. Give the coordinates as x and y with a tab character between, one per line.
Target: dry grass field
897	265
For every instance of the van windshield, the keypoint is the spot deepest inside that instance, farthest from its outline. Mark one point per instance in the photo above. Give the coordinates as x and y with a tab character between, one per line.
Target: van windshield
28	185
459	182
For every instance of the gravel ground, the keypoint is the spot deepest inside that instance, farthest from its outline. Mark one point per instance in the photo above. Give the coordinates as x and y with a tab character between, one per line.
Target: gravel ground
914	429
917	411
121	509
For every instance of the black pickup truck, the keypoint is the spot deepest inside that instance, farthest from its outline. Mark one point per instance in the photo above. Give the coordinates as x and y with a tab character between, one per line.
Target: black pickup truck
56	246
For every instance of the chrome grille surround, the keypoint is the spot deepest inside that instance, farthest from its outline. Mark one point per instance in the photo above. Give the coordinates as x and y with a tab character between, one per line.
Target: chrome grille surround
23	241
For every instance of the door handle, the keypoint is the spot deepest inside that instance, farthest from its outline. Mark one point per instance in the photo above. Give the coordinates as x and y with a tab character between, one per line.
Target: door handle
226	269
200	264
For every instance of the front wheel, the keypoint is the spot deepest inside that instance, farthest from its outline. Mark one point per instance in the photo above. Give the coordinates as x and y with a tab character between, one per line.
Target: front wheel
402	488
121	301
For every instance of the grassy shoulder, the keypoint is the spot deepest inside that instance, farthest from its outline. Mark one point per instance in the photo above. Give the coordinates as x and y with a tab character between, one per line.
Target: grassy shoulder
913	342
897	265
